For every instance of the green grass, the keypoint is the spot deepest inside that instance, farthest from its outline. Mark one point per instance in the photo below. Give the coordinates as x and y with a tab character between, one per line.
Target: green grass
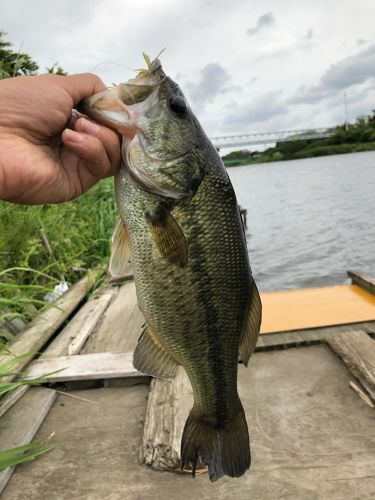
15	456
79	233
21	454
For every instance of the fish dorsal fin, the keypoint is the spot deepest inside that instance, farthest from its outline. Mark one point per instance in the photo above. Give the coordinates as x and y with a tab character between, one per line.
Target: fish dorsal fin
252	326
150	356
120	255
168	236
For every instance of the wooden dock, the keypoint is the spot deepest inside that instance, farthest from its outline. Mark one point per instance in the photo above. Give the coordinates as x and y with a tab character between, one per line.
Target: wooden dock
91	354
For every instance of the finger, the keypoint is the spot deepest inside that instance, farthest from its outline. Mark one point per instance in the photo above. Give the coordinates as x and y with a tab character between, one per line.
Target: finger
89	149
108	138
81	86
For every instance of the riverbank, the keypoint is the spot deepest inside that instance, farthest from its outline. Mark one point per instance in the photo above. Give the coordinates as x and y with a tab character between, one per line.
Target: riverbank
42	245
356	138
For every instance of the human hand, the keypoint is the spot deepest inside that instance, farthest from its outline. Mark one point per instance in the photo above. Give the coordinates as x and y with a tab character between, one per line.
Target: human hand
49	154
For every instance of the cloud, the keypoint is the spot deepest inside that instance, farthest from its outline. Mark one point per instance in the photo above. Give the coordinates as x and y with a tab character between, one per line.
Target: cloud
361	41
351	71
354	70
309	35
212	81
266	106
264	21
309	95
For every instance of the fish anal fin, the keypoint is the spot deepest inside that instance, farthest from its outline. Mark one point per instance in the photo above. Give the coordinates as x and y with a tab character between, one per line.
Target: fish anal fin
168	236
252	326
150	356
120	255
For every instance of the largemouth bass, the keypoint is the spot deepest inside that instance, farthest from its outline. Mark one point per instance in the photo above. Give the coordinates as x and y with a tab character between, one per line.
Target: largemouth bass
180	222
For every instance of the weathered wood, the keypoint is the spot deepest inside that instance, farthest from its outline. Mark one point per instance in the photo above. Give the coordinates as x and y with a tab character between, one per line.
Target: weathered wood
357	350
279	341
95	366
121	326
127	275
19	426
364	282
82	321
168	407
32	338
13	325
89	317
12	398
169	402
312	336
361	394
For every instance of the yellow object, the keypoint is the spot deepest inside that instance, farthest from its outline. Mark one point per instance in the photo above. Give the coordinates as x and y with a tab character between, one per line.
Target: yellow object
315	307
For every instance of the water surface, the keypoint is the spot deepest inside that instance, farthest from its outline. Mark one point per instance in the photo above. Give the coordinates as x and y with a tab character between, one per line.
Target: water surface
310	220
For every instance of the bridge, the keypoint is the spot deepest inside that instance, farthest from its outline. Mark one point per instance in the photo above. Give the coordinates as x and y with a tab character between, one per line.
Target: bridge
239	140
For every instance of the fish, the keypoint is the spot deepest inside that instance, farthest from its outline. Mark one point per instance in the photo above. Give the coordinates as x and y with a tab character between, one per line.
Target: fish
181	227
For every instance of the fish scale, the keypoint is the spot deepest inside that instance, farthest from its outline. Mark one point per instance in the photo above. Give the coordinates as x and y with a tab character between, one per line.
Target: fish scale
215	284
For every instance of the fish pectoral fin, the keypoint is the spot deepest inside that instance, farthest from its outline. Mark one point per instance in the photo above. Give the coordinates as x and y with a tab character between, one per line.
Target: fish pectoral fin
120	255
150	356
168	236
252	326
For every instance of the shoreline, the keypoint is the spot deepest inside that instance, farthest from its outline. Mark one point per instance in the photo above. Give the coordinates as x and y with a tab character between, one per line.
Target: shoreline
321	150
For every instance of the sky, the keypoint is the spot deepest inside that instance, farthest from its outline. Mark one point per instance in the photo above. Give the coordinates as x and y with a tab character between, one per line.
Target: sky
244	66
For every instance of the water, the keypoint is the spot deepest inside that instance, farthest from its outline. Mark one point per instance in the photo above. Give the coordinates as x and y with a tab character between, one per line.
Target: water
310	220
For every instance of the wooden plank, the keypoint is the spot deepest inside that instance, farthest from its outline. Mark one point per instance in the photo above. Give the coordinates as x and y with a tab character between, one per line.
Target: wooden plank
19	426
364	282
357	350
89	318
361	394
168	407
85	320
312	336
121	326
127	275
32	338
12	398
96	366
13	325
279	340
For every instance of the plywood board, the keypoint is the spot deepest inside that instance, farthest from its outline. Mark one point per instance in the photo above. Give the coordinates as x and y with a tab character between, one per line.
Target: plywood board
316	307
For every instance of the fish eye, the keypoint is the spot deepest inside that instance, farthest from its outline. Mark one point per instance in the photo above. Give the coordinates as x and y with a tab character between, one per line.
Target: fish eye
178	105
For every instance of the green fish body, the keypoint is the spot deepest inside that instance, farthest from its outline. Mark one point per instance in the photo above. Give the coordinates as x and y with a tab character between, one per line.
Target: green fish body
181	225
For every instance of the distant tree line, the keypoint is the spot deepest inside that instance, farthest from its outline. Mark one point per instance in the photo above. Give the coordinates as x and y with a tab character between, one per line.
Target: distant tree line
354	137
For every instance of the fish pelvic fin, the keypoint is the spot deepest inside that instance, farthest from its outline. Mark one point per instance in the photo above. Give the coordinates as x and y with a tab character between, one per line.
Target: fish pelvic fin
151	358
120	255
225	448
168	236
252	326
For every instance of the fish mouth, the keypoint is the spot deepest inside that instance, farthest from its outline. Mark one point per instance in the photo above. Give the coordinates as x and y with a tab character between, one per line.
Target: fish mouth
119	107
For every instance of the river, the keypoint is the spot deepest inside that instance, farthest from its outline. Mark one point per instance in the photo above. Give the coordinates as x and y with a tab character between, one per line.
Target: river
310	220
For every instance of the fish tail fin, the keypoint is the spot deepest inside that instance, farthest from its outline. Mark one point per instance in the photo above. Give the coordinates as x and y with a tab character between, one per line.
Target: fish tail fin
225	449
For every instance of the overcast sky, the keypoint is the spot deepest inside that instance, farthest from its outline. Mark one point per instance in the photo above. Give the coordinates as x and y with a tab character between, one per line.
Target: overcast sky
245	66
